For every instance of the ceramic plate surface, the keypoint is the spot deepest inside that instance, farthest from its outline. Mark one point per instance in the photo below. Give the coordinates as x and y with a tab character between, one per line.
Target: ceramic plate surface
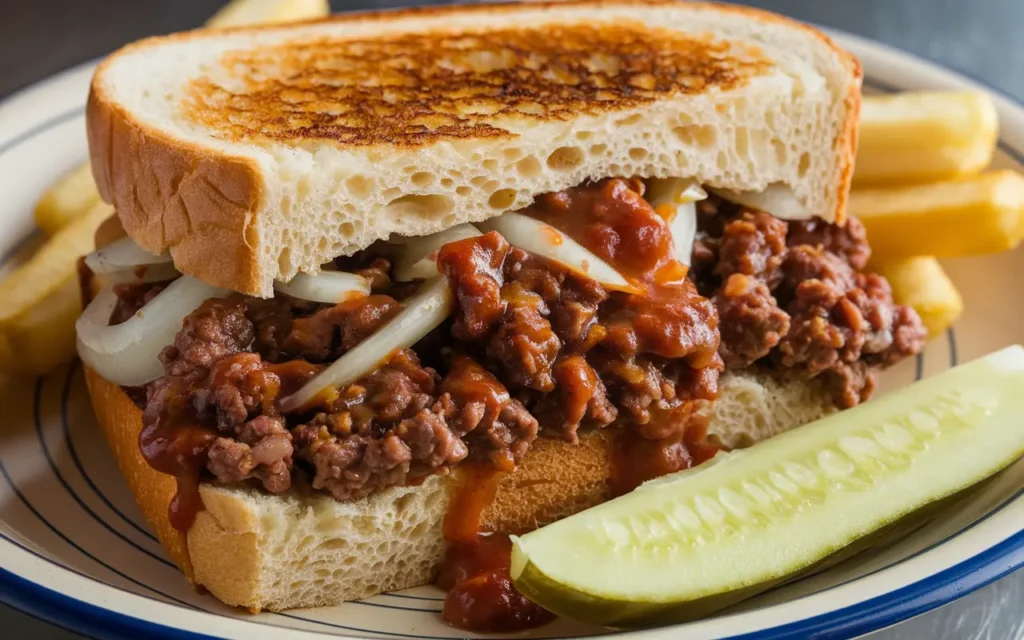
74	548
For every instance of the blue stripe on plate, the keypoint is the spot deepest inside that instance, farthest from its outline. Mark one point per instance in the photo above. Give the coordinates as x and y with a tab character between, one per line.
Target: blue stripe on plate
76	461
25	136
409	597
51	622
41	128
18	246
907	602
60	534
36	408
924	595
82	617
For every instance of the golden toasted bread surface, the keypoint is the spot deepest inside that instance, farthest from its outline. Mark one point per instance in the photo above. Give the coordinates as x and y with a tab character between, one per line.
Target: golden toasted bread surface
420	88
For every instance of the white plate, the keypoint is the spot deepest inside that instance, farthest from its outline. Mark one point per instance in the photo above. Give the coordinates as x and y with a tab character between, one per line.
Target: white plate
74	549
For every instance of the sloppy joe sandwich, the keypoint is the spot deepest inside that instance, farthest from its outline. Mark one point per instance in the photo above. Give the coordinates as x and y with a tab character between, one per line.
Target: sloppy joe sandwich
391	282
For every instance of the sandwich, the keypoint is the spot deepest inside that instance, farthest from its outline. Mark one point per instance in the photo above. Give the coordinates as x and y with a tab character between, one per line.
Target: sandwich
384	287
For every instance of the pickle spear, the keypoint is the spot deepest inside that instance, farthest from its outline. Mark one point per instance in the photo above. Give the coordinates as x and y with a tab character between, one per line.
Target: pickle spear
682	546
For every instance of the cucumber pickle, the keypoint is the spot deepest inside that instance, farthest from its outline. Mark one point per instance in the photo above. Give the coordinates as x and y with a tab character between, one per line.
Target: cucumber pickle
684	545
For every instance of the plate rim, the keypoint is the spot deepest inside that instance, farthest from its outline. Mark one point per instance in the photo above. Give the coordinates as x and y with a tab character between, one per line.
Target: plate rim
927	593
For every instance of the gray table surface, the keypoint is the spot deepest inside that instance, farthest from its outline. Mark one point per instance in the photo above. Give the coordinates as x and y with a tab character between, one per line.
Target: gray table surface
981	37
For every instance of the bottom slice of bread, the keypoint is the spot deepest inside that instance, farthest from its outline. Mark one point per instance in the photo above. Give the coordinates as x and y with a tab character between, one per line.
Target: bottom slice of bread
262	551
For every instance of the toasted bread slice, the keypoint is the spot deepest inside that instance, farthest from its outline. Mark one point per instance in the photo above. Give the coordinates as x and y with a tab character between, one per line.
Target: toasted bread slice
255	153
263	551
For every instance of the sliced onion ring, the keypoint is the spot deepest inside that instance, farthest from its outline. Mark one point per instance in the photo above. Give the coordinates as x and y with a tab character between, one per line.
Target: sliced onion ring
674	199
674	190
145	273
127	353
421	314
416	259
544	240
330	287
777	199
123	261
123	255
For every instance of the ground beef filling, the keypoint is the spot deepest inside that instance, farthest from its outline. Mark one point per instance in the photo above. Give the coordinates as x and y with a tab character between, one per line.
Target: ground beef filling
529	344
793	298
532	349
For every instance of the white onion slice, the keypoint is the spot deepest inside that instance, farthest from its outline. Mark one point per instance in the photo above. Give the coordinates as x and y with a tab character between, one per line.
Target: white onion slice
679	195
144	273
683	227
544	240
330	287
777	199
123	255
417	259
126	354
674	190
421	314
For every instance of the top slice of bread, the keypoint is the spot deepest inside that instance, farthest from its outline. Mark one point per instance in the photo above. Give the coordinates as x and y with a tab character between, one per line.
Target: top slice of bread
256	153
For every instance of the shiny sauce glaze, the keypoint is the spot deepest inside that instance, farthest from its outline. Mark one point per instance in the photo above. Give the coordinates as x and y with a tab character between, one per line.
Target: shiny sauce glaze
481	596
634	461
476	567
612	219
668	318
177	441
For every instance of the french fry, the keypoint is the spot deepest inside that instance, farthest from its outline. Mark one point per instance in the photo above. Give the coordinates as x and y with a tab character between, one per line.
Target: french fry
70	197
924	136
39	300
969	216
43	337
922	284
244	12
73	194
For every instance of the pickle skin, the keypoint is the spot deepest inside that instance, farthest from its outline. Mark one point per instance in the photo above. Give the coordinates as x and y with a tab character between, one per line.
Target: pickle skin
988	385
622	614
577	605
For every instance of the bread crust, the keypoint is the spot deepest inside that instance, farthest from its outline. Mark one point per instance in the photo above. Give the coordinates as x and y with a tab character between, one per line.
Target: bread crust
201	203
172	194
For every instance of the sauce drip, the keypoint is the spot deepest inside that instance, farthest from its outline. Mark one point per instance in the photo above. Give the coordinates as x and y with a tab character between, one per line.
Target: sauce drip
477	487
475	571
176	443
635	460
481	596
177	446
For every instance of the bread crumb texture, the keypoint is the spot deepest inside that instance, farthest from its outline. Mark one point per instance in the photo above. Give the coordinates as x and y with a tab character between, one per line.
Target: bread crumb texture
754	406
282	552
